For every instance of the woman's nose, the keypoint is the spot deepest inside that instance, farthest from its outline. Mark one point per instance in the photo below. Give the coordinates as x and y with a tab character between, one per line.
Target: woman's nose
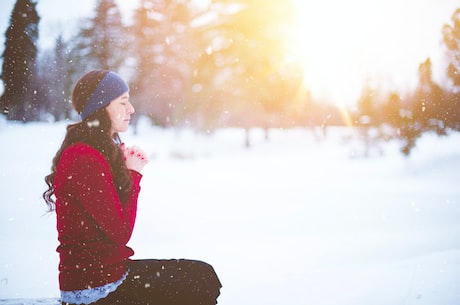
131	109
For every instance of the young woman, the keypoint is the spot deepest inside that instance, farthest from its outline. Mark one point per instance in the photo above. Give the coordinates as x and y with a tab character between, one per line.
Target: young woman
93	187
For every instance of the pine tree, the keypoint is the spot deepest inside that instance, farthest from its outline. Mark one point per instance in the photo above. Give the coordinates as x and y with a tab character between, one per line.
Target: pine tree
161	50
101	42
56	82
18	101
451	35
429	108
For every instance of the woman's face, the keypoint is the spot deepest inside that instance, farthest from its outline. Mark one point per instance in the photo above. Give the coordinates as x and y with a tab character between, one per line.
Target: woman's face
120	110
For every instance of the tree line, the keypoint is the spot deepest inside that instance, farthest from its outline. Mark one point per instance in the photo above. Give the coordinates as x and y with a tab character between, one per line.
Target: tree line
225	63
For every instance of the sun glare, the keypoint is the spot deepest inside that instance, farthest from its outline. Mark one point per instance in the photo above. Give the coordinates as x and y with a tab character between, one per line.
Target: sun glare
341	45
319	46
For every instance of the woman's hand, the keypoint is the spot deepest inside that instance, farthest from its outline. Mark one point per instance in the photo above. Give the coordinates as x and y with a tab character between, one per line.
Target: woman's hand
135	158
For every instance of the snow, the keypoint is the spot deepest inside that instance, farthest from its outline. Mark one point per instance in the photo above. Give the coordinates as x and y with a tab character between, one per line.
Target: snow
294	220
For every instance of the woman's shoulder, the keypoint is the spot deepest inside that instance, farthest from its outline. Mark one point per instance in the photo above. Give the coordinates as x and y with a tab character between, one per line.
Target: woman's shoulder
80	150
80	159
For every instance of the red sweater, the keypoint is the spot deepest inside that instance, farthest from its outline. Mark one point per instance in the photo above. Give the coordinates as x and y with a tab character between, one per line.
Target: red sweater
93	225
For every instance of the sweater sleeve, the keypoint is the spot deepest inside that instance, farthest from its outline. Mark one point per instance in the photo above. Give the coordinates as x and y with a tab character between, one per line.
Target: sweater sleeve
89	180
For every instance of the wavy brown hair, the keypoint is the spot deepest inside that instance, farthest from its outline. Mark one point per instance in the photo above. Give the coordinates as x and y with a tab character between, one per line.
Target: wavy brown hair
95	131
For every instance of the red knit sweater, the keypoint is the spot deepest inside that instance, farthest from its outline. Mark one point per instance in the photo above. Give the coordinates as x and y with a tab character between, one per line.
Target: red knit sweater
93	225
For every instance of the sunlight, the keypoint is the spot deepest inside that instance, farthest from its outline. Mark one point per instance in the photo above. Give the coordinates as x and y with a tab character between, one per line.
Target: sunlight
343	44
320	50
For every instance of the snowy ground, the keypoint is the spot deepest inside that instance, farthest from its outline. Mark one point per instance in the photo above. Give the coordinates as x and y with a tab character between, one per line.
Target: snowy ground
292	221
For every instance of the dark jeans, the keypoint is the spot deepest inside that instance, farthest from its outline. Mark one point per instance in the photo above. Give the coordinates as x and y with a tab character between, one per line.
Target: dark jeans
166	282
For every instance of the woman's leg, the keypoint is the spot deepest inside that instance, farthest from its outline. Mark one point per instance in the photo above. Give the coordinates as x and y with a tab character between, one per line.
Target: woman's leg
167	282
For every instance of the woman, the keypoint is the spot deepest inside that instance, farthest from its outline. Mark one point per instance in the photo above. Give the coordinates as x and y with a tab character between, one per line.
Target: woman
93	187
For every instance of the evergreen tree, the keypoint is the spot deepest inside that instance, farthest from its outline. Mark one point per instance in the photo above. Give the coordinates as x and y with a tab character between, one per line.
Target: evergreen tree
161	51
367	108
429	108
19	101
56	86
101	42
451	35
392	110
425	110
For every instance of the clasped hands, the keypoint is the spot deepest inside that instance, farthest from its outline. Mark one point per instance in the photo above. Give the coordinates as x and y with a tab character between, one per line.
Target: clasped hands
135	157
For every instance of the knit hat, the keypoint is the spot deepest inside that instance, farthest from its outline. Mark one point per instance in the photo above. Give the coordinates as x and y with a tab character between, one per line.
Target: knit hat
108	89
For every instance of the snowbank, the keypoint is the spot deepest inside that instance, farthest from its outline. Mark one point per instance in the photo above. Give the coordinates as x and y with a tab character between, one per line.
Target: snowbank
295	220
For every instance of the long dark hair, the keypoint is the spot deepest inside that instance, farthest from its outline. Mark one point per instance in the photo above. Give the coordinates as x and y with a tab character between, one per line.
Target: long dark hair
95	130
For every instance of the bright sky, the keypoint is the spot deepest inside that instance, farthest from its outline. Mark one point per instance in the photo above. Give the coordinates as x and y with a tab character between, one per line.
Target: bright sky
341	43
345	43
